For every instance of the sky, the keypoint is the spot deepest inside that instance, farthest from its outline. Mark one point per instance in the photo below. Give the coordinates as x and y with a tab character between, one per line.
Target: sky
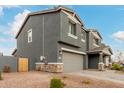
108	20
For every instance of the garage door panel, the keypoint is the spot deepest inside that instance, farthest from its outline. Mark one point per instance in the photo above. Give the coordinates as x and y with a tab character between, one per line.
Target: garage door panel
72	62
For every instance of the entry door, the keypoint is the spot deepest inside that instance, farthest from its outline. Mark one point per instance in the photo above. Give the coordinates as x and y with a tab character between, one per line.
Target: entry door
23	65
93	60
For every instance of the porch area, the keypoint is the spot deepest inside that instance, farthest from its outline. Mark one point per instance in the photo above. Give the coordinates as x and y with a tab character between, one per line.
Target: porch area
99	60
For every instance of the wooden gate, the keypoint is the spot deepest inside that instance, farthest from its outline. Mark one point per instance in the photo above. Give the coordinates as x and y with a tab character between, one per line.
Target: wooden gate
23	65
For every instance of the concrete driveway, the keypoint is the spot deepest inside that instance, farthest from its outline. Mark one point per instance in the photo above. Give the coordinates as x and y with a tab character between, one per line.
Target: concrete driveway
112	75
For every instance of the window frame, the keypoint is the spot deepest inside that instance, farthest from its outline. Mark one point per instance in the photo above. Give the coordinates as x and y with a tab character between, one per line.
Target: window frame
29	35
72	28
96	41
82	36
72	34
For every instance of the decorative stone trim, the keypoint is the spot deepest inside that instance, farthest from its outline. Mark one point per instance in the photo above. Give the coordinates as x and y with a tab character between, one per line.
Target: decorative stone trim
110	65
50	67
101	66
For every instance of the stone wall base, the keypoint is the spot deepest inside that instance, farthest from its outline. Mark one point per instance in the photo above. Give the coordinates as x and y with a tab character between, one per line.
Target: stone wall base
110	65
101	67
52	67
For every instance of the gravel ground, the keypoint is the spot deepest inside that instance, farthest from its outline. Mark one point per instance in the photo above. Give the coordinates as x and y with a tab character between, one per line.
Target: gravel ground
111	75
35	79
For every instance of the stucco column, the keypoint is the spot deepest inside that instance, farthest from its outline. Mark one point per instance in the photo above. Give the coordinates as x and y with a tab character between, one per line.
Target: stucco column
86	62
101	57
101	64
110	61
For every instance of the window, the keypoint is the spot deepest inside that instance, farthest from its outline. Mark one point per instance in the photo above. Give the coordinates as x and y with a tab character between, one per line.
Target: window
72	28
96	41
29	35
82	37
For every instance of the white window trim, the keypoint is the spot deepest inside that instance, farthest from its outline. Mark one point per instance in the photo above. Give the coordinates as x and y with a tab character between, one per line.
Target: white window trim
73	51
31	35
73	36
82	40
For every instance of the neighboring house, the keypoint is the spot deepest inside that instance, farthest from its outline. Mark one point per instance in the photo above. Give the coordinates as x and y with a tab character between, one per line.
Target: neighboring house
1	54
59	35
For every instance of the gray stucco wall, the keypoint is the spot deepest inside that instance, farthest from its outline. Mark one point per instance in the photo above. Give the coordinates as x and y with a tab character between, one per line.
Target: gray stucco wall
8	60
34	50
65	30
68	42
56	28
90	43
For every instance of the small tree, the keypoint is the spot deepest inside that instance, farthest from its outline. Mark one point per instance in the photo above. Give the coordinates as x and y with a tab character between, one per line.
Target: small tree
1	76
118	57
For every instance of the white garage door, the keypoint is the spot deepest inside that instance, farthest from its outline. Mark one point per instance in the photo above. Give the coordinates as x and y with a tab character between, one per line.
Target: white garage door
72	62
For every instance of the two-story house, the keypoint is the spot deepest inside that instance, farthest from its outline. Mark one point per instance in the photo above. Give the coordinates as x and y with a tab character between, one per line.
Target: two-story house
58	36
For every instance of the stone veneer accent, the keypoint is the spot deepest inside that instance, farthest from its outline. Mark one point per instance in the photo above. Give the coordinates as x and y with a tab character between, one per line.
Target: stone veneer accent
50	67
110	65
101	66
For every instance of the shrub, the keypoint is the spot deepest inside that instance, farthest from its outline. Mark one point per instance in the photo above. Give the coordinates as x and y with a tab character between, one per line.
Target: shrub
117	67
56	83
122	68
1	76
6	69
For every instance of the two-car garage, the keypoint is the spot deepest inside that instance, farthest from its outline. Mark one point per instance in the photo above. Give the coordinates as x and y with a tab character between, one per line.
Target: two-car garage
72	61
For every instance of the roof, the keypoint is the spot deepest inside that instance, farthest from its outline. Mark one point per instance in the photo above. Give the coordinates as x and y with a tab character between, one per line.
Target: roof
55	9
14	51
94	30
101	48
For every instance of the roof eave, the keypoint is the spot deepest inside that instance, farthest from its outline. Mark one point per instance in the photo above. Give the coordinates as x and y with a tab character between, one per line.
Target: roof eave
32	14
15	50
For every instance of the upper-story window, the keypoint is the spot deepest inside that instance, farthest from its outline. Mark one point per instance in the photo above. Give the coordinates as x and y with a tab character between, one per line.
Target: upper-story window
96	41
82	37
29	35
72	28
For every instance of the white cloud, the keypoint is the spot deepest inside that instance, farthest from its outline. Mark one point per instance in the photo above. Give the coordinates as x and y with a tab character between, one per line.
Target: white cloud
18	20
11	6
118	35
6	6
1	11
118	55
9	31
7	40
